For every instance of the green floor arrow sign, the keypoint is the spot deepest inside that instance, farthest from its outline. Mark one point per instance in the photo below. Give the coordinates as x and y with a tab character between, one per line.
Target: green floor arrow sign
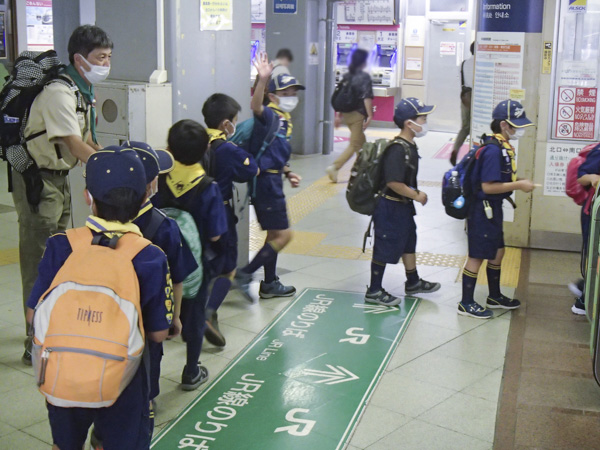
301	384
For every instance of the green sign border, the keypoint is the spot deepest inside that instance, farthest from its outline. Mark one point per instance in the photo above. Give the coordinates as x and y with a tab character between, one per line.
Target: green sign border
363	402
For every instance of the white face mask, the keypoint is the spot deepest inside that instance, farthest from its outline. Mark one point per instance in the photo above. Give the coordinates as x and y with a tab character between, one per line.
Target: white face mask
288	104
96	74
519	133
424	129
232	133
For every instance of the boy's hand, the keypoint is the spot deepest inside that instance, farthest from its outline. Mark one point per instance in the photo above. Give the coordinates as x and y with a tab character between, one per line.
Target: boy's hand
175	329
526	185
294	179
263	66
594	180
421	198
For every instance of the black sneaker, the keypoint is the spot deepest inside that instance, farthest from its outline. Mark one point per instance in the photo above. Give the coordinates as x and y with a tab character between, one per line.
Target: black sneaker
421	287
474	310
578	307
382	297
502	302
212	333
191	382
576	287
275	289
242	281
26	358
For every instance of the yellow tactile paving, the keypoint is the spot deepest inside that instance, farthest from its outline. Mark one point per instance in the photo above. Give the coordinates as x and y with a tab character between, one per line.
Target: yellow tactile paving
511	267
9	256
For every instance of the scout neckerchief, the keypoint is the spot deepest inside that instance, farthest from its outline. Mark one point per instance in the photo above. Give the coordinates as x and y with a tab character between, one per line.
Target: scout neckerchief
184	178
87	90
285	116
510	151
147	206
215	135
111	228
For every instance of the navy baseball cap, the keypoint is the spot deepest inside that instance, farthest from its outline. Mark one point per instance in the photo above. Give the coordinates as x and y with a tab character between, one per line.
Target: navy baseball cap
410	107
284	81
114	167
513	112
155	161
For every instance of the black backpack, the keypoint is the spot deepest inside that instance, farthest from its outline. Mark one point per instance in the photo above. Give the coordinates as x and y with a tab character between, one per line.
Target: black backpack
31	72
364	185
344	99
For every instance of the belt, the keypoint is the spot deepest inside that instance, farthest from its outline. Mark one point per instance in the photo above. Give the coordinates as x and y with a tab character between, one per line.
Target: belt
274	171
395	199
58	173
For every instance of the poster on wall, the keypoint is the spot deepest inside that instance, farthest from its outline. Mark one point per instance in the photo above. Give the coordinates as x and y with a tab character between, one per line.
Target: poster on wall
576	113
216	15
555	171
366	12
40	31
498	70
258	11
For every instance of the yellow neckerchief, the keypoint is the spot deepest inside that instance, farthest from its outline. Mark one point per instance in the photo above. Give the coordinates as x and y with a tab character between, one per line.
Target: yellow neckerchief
147	206
510	151
214	135
111	228
285	116
184	178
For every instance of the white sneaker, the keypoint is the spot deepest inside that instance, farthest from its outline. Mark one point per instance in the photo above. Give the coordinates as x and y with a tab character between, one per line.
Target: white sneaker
332	172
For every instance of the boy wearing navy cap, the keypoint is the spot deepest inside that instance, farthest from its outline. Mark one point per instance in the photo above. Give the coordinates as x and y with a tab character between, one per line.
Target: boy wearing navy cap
116	188
228	163
494	178
164	233
268	198
395	228
188	188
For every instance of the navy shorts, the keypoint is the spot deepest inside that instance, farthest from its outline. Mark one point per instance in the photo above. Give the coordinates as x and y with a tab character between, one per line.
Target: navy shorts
225	249
123	426
155	349
485	235
395	231
272	217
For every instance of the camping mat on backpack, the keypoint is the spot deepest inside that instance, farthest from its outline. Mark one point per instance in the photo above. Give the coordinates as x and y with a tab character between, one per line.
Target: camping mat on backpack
298	384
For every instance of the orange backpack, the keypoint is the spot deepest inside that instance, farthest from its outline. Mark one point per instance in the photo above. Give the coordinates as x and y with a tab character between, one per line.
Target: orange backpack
88	333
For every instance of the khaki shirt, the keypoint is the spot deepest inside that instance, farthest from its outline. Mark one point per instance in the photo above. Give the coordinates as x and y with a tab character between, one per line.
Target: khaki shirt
55	110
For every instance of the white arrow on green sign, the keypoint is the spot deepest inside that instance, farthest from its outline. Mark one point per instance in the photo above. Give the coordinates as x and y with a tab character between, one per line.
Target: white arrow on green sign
301	383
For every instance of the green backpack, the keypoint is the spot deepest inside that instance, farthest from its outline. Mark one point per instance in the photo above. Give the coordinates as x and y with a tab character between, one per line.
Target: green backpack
365	177
190	232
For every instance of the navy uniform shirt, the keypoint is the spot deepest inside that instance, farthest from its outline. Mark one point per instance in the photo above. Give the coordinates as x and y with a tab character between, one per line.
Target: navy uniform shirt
168	238
151	267
494	164
400	164
591	165
269	184
232	164
206	207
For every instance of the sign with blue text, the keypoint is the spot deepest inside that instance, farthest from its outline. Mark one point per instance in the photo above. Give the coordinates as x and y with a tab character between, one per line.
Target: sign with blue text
285	6
300	384
511	15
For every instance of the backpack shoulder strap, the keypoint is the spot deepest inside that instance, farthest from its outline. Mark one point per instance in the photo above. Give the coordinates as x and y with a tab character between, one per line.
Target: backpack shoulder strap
462	74
79	238
130	244
157	218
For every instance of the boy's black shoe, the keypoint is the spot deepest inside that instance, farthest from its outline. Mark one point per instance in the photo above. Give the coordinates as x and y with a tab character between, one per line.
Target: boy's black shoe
474	310
190	382
275	289
26	358
576	287
382	297
502	302
242	281
212	333
578	307
421	287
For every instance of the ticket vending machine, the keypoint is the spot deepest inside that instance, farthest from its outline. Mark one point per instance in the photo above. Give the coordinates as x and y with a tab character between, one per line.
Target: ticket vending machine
383	69
344	51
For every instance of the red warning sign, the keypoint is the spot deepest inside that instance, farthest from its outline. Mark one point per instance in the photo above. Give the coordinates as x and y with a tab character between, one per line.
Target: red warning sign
576	113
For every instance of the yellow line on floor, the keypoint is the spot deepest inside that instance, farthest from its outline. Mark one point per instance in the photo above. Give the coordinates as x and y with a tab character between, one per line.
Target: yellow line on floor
9	256
511	267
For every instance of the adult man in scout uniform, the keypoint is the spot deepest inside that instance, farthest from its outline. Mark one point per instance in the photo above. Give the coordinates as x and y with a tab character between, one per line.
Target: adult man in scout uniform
64	119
